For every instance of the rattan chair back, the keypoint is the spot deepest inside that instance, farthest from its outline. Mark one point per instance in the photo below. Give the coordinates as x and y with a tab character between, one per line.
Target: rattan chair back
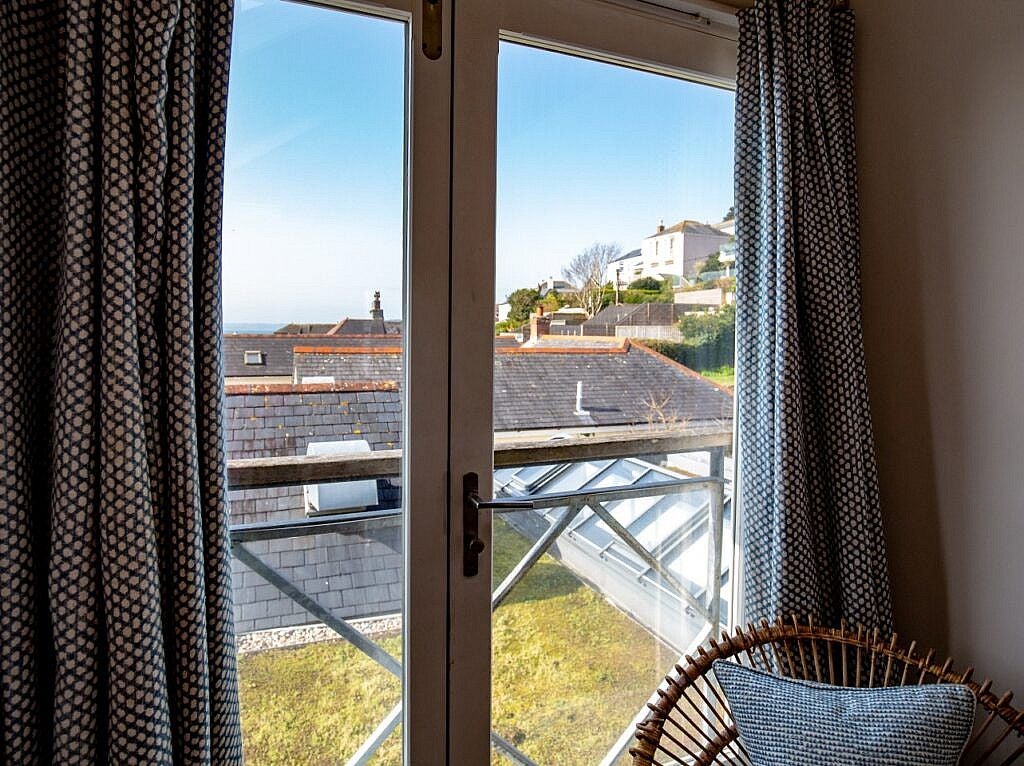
690	722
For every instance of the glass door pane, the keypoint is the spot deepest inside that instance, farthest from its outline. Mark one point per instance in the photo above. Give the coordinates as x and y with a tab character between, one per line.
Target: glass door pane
319	264
614	359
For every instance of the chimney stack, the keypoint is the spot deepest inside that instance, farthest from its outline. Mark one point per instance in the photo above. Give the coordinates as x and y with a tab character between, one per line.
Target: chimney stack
540	324
376	312
661	225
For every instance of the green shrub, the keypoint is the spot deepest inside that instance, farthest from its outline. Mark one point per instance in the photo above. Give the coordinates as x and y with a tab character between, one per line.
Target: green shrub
709	341
645	283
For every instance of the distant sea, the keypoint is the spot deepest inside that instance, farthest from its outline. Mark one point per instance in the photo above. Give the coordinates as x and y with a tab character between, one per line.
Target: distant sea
251	327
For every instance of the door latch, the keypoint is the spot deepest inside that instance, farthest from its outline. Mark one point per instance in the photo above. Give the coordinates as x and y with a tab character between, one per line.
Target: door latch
472	544
433	29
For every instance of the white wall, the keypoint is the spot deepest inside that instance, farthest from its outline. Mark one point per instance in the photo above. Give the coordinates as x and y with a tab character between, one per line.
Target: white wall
659	249
940	100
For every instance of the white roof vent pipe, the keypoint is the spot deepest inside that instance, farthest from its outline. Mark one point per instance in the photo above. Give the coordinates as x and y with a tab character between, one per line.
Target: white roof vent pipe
579	399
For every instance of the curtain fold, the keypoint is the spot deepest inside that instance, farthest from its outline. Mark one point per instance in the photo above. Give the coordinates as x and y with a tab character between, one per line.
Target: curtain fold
812	527
116	621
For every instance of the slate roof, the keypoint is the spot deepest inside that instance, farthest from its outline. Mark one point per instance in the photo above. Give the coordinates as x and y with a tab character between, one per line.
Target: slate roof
278	421
624	384
626	256
536	389
305	329
692	227
369	364
569	342
277	351
367	327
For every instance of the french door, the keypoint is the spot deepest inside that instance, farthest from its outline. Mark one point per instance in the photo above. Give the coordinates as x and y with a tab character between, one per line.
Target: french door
523	71
605	551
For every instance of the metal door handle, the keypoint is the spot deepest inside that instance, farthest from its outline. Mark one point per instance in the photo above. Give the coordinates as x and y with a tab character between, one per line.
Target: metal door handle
474	499
472	504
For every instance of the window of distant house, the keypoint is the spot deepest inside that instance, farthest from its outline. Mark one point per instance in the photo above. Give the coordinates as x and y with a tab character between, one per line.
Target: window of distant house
253	357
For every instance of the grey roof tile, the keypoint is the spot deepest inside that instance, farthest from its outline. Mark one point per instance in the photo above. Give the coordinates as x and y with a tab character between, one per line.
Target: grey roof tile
623	385
277	350
535	390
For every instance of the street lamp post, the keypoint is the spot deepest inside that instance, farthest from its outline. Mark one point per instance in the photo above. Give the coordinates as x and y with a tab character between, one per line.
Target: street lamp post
618	273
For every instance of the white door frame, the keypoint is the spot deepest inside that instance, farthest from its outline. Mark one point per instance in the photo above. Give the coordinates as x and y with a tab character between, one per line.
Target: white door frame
619	31
425	382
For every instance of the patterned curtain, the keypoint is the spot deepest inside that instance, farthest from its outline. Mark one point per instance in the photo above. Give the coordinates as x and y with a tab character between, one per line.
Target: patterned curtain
812	528
116	637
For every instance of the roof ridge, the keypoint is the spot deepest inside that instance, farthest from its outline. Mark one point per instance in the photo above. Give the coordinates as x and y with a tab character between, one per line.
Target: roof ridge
610	349
689	371
348	349
343	386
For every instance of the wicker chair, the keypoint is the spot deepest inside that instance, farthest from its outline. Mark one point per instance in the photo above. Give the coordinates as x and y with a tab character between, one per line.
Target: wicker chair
690	722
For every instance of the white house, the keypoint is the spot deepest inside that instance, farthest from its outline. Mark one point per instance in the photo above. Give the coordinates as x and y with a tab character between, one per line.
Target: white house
557	286
677	251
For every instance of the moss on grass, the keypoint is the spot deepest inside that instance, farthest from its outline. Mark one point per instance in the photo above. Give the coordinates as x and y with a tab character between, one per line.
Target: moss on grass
570	671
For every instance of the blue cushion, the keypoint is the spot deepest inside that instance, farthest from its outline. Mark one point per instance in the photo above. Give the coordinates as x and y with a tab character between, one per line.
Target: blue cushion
786	722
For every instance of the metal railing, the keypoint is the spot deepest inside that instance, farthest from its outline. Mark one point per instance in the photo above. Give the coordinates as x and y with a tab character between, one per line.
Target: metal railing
276	472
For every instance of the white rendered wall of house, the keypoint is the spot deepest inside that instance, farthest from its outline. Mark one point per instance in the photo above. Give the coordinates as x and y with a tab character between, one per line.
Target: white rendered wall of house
655	251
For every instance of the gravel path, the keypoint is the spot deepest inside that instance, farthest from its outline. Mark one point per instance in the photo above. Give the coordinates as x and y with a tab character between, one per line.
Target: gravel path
300	635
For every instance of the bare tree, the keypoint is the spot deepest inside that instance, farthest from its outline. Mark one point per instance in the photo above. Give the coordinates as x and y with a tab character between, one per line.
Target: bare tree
586	273
661	411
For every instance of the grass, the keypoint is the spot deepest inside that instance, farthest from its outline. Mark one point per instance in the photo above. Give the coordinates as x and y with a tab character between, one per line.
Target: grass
725	376
569	673
315	704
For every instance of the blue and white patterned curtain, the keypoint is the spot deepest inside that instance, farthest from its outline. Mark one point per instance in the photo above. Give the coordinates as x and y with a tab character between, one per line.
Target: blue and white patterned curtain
116	642
812	530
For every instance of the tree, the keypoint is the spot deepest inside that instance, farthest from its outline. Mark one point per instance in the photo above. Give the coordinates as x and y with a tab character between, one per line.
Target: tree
710	328
521	303
645	283
712	263
730	214
551	302
587	269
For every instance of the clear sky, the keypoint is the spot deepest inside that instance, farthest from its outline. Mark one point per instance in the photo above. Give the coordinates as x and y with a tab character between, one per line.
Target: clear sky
587	152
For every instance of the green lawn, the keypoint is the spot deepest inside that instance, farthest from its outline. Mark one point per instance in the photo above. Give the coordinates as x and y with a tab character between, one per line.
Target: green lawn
725	376
570	671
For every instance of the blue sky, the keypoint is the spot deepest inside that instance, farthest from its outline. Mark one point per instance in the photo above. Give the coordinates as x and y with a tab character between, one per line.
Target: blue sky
587	152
